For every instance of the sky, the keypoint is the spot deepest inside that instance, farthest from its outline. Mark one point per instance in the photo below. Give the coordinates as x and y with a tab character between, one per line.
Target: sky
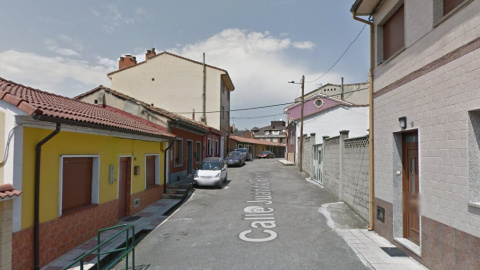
68	47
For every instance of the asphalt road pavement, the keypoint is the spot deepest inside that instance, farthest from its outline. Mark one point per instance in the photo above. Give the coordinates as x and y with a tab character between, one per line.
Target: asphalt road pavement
266	217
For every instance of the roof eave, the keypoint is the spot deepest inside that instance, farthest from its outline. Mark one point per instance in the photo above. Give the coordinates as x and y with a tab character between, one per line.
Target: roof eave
51	119
364	7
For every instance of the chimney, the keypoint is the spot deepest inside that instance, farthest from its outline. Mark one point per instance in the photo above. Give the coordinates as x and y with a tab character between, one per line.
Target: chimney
150	53
127	61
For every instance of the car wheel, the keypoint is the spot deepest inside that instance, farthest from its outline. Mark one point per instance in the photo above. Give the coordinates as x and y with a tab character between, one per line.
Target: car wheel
226	176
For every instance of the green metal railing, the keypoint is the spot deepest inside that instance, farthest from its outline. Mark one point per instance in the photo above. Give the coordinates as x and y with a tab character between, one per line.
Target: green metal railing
124	250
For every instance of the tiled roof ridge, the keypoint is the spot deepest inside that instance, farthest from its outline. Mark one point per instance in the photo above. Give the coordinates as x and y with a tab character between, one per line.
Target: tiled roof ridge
162	111
254	141
51	106
172	54
25	105
8	190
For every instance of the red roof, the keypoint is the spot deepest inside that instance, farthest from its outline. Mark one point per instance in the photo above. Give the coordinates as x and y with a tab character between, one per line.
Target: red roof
150	107
8	190
254	141
47	106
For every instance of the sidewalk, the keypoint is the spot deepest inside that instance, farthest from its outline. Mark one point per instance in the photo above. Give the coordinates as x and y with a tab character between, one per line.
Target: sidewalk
374	250
143	221
285	162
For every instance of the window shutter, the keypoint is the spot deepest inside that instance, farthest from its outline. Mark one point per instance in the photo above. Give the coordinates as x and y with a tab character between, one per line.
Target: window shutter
150	171
394	34
77	182
449	5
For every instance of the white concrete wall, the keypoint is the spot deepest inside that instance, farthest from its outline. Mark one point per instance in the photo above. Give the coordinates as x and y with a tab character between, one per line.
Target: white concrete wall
177	86
436	104
12	170
330	122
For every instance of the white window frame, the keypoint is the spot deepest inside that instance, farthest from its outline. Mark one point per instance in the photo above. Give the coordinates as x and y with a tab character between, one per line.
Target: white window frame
157	169
95	180
216	148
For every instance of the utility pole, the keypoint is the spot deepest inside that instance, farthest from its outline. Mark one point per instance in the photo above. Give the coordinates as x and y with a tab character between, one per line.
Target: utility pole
301	125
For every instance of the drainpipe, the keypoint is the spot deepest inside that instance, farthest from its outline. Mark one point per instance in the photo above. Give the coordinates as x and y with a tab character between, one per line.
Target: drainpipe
36	226
165	166
370	90
204	120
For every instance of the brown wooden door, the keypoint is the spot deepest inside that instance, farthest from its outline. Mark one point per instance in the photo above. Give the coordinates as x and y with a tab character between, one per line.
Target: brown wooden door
411	183
123	184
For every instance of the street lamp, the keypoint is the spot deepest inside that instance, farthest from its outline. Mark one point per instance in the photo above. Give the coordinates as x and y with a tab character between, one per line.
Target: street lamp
301	124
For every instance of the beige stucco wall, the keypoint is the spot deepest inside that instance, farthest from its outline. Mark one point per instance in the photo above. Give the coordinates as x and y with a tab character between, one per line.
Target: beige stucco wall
6	235
436	104
173	84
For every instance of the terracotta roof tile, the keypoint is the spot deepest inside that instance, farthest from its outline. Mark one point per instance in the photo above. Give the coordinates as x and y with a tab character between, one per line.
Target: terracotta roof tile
8	190
39	103
254	141
160	111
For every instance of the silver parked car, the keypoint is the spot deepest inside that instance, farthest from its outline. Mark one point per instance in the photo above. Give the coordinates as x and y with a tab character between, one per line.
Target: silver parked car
212	172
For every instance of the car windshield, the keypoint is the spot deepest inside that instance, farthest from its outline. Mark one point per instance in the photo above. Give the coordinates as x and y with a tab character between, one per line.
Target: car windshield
211	166
242	150
234	154
266	152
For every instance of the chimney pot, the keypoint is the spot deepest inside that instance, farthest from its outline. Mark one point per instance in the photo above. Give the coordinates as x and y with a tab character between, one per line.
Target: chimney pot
127	61
150	53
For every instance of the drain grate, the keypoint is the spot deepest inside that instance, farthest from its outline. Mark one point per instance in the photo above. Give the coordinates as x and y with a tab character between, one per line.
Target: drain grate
394	252
132	218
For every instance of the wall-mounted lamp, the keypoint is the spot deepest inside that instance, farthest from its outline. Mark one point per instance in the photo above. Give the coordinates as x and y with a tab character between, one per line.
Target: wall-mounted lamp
402	121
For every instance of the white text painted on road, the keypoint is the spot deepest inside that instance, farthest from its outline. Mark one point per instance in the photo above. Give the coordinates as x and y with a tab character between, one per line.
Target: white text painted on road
261	217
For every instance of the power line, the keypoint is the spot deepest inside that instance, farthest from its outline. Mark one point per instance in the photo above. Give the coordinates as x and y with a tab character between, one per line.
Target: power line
255	117
244	109
340	56
269	106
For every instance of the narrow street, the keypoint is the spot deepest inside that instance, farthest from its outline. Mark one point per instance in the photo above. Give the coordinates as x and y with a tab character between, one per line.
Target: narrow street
216	229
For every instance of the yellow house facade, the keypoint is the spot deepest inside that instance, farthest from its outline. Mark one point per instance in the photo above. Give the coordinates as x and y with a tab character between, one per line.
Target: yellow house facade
80	167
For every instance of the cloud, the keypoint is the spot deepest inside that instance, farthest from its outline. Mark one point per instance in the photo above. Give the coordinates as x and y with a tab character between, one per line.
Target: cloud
260	65
59	75
110	16
304	45
66	41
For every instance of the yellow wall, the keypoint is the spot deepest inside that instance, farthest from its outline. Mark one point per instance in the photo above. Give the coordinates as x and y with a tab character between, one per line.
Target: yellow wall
68	143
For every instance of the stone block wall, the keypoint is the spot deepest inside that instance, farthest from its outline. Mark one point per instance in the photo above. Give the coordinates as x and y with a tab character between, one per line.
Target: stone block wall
346	169
356	175
307	154
331	165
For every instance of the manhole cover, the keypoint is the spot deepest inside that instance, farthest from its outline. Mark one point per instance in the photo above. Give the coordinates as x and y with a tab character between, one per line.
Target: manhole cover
394	252
131	218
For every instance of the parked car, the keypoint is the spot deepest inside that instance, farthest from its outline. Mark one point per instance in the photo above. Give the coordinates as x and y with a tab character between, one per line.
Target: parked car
248	155
235	158
212	172
266	154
